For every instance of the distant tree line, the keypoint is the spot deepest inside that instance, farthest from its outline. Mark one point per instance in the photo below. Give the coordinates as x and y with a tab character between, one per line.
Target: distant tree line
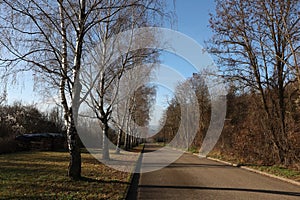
172	116
124	134
19	119
256	45
171	119
245	135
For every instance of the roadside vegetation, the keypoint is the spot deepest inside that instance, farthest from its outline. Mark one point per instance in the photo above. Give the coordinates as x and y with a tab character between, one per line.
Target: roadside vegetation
42	175
292	173
279	171
256	46
18	119
62	42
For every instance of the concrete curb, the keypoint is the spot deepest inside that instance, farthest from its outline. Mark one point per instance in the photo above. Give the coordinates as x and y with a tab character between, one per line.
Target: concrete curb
126	193
245	168
128	187
222	161
271	175
256	171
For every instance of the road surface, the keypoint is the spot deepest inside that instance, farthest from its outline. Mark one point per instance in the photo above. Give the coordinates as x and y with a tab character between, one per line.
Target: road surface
192	178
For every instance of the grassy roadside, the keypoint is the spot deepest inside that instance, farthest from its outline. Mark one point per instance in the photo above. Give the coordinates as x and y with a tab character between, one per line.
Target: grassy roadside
279	171
42	175
274	170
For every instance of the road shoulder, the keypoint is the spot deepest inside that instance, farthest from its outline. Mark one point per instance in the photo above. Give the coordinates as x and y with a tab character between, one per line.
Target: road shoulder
254	170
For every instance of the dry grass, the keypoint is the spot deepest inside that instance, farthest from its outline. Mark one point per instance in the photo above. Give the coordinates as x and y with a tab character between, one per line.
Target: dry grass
42	175
281	171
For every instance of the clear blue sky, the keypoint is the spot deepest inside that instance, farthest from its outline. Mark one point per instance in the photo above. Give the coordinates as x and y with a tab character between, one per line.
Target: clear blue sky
192	20
193	17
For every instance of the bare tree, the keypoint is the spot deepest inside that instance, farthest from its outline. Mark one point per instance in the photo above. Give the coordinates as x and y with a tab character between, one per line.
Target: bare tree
169	122
140	110
52	38
114	56
185	96
3	96
254	40
125	105
3	84
191	109
109	63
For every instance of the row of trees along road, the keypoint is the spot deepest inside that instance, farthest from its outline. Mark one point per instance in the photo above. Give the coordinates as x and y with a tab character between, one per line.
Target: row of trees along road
57	39
257	46
172	119
258	43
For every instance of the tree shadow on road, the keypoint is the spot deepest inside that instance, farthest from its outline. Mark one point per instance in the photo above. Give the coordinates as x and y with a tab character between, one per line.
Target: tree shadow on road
286	193
199	165
187	165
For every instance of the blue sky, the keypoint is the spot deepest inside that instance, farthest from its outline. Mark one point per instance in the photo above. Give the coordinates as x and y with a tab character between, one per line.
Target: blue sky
192	20
193	17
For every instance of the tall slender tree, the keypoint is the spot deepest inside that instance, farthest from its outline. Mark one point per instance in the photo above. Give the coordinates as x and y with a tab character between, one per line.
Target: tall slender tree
52	38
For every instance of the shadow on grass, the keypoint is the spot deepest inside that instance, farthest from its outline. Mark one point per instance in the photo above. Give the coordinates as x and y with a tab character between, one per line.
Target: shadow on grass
93	180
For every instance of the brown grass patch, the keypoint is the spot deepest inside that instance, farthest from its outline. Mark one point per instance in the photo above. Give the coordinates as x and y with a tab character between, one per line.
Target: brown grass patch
43	175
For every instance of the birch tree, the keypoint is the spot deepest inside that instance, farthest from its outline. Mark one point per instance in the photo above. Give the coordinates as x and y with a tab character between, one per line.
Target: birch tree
3	96
130	83
140	111
52	38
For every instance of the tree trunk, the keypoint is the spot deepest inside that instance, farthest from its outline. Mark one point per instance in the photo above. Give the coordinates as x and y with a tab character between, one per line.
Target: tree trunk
105	150
126	146
119	141
74	149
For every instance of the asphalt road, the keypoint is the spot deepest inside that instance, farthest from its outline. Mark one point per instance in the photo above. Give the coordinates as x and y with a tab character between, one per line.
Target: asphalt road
192	178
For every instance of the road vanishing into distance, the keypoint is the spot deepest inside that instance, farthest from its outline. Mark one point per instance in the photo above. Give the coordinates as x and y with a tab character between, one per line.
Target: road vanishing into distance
190	177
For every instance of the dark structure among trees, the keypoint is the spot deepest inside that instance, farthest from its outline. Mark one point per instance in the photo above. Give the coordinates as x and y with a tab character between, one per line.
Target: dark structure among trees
29	126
